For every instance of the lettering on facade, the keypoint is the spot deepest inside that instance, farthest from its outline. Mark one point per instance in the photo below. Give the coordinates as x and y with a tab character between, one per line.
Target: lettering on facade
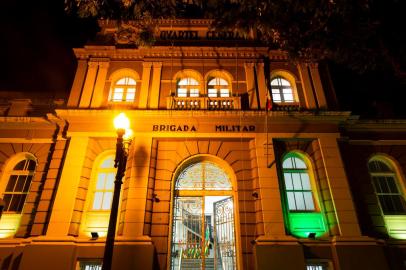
234	128
183	35
194	35
173	128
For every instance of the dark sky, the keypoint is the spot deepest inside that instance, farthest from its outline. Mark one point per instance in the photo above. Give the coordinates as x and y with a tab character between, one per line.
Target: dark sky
37	38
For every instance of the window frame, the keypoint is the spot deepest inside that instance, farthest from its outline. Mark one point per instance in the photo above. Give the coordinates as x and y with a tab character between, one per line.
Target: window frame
10	171
218	87
98	171
125	87
279	90
188	87
313	187
394	174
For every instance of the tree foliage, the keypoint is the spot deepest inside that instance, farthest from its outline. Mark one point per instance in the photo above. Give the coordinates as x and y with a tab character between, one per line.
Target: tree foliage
362	34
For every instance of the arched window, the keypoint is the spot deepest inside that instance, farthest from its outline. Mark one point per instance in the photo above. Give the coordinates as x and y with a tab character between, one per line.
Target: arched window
99	198
104	185
297	182
218	87
18	185
123	90
385	182
282	90
187	87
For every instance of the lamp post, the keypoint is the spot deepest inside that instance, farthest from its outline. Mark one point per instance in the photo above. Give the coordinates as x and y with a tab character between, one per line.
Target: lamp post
122	125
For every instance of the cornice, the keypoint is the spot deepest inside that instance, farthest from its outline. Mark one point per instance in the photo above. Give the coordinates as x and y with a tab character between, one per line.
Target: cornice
114	53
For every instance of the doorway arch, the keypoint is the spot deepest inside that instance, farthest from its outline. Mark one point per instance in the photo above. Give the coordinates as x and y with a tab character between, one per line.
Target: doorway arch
203	234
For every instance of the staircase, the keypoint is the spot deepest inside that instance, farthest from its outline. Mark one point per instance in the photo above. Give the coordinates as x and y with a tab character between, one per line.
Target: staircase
195	264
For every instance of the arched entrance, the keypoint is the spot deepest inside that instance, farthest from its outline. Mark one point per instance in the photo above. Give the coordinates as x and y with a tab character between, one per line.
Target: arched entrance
203	222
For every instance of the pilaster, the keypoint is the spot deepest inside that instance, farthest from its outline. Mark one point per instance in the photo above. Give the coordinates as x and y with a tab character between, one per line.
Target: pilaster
144	91
67	188
250	80
77	85
138	169
89	85
98	92
261	84
156	85
318	87
307	86
339	188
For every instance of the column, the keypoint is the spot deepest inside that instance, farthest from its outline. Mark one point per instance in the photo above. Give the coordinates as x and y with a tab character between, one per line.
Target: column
67	188
144	91
156	85
250	80
137	175
76	90
89	85
339	188
318	87
307	87
98	93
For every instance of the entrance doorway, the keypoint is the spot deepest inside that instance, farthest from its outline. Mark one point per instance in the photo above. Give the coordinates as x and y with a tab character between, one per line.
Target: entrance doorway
203	232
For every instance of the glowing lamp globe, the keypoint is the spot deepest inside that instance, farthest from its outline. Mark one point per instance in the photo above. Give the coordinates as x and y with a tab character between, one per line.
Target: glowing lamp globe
121	122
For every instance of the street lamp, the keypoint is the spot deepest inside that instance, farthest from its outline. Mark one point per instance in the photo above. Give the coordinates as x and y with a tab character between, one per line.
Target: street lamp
122	125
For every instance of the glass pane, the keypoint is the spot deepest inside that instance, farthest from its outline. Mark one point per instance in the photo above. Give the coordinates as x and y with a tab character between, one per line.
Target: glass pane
31	165
275	82
100	181
212	92
284	82
224	92
291	201
308	198
108	162
130	97
14	203
131	81
299	164
276	97
182	92
6	200
378	166
305	181
288	97
11	183
194	92
122	81
287	163
107	200
27	183
188	81
109	181
98	196
20	183
300	204
297	183
21	202
391	185
288	181
20	165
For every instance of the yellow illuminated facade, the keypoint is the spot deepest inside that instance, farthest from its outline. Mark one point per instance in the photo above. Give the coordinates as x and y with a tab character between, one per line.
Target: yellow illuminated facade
214	178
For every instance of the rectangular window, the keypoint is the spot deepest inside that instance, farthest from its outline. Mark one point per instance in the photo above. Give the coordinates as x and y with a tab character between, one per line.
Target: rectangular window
182	92
298	190
212	92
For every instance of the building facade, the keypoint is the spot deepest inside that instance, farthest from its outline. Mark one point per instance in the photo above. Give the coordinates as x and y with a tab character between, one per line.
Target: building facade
239	159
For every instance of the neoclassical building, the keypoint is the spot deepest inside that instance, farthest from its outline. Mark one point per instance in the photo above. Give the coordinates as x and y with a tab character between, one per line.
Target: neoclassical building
239	159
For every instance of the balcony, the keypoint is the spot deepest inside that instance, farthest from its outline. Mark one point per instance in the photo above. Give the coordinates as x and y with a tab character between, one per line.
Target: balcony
203	103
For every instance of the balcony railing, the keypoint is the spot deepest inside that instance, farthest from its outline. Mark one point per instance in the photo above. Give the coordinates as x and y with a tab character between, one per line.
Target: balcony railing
203	103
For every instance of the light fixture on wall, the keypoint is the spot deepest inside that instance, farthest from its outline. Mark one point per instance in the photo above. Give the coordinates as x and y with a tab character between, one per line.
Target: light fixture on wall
311	235
95	235
124	133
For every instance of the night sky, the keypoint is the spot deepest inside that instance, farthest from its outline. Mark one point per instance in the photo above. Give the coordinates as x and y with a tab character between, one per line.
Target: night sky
37	38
